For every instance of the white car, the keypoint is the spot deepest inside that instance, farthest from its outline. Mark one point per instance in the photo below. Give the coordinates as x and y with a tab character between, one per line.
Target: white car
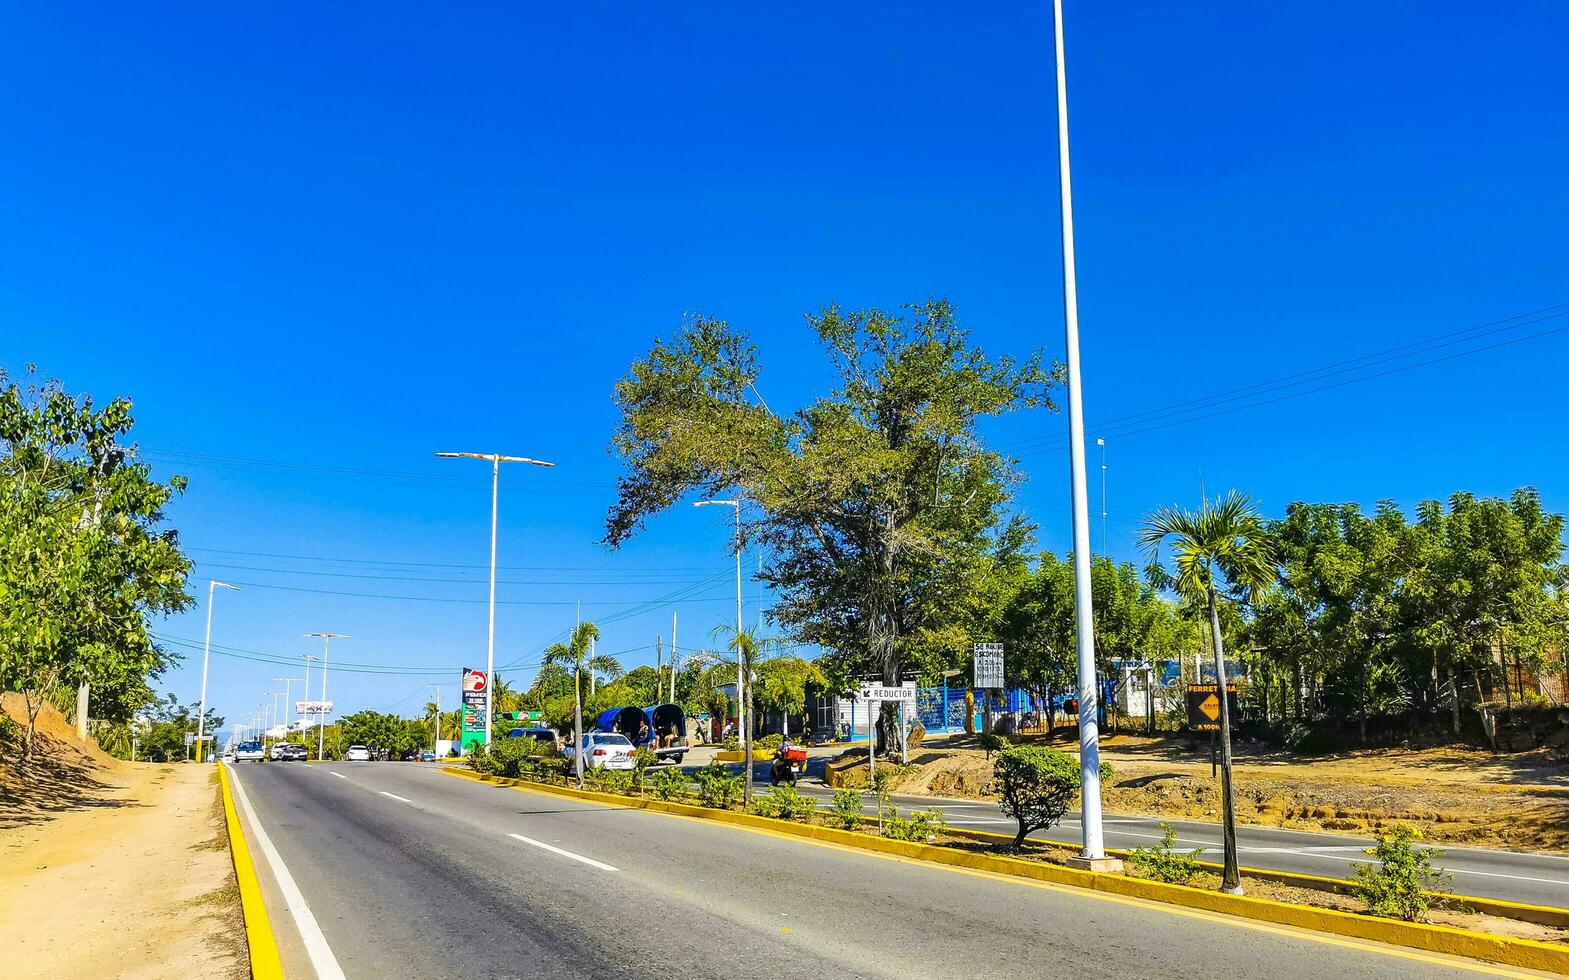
357	753
605	750
249	752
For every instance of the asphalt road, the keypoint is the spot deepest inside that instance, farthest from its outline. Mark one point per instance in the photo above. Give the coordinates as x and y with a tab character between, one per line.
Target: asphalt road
408	872
1535	879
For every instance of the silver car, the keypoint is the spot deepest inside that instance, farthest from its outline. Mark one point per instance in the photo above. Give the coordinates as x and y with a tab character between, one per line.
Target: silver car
605	750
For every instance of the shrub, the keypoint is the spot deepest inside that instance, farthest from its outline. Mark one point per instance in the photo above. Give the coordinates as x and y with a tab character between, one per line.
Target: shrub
767	743
1035	784
1164	862
785	803
641	760
1304	739
481	761
717	786
1399	886
920	825
608	780
846	809
992	743
669	784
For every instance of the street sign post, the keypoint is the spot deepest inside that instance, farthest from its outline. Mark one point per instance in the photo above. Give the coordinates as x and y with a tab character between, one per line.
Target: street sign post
988	665
877	692
476	707
1204	706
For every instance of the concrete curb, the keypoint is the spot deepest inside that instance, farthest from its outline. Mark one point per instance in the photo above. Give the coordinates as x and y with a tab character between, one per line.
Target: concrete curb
1526	953
758	755
263	946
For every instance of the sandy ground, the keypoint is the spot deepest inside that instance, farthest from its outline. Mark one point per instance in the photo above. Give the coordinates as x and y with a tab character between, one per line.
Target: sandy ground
1453	794
116	869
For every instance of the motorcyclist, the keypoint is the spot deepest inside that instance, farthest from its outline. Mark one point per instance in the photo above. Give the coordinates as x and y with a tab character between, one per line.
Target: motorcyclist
780	770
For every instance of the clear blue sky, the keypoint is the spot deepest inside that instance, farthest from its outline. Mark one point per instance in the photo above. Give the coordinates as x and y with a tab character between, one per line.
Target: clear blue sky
347	237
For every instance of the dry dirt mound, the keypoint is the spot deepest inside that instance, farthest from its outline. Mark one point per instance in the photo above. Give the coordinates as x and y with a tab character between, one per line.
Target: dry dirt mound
64	773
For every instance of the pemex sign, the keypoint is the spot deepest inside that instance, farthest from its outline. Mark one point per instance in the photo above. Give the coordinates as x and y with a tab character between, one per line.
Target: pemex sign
476	705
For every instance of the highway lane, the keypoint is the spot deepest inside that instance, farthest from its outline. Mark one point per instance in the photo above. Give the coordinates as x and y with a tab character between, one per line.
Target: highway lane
413	873
1535	879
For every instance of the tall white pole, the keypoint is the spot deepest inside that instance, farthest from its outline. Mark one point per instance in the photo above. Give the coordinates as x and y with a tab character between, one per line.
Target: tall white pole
435	743
1102	444
490	640
674	661
741	669
288	687
201	710
1089	696
321	724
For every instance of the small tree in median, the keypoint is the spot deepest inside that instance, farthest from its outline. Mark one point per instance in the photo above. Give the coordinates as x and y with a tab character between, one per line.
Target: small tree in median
1400	885
1035	784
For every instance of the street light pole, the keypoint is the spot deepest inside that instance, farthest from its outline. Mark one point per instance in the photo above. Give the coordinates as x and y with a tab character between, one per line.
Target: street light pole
1094	855
435	742
201	716
1102	444
741	679
321	724
496	459
288	686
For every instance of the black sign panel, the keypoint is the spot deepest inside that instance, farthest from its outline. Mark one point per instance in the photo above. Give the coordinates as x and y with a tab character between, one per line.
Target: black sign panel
1204	706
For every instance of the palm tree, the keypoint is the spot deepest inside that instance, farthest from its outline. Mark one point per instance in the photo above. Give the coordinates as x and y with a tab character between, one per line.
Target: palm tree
578	655
746	651
1222	547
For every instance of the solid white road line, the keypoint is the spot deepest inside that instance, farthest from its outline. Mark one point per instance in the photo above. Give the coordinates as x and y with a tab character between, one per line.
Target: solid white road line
322	960
395	796
568	854
338	774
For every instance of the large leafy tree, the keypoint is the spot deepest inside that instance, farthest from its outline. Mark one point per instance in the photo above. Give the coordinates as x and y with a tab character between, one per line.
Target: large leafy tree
85	558
1221	549
159	731
882	513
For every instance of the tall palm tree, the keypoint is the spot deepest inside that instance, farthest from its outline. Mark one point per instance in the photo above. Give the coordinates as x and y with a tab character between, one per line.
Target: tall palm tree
1222	548
576	655
743	652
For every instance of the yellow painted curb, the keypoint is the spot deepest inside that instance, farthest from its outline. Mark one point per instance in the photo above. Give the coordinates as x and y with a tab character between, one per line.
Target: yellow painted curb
265	964
1527	953
758	755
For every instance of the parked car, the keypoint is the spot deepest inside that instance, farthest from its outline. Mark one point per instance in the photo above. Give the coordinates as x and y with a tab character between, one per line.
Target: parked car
544	735
276	753
357	753
295	752
604	750
427	756
249	752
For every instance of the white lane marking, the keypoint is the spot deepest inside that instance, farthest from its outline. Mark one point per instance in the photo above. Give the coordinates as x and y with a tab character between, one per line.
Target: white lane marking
322	960
338	774
556	850
979	820
395	796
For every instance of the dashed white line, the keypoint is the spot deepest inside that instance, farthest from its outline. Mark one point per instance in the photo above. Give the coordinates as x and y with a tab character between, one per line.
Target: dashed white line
567	854
325	964
338	774
400	799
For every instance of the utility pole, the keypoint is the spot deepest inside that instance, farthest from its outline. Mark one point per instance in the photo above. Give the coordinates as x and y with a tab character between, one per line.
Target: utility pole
288	684
741	679
435	743
201	711
674	662
1094	855
1102	444
326	651
496	459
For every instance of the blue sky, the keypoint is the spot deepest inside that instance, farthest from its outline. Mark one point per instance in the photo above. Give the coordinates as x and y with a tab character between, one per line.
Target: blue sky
339	240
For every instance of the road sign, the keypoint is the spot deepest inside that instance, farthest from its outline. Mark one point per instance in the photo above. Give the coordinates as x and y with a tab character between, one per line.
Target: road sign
190	738
476	706
877	692
988	665
313	707
1204	706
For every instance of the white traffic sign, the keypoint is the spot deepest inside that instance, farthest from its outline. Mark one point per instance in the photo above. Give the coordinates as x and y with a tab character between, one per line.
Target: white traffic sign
313	707
988	665
876	692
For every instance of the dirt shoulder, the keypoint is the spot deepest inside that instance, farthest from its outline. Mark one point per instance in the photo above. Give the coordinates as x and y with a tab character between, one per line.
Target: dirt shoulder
1452	794
110	868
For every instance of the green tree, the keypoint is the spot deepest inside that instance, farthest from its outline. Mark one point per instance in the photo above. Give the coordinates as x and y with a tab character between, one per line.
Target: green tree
1220	549
1038	631
85	559
391	732
879	507
578	656
160	731
1035	785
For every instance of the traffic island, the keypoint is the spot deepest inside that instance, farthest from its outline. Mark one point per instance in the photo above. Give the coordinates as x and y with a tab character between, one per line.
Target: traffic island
964	851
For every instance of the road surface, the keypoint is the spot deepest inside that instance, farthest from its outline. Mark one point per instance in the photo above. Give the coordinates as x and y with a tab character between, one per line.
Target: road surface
1535	879
405	871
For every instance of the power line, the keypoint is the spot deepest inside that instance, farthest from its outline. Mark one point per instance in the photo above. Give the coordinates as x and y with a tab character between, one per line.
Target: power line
551	487
427	598
1056	443
416	564
410	578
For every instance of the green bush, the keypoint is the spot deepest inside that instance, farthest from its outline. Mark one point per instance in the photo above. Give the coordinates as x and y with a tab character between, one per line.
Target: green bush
785	803
481	761
846	809
641	760
767	743
717	786
920	826
1164	862
1035	784
1399	886
992	743
669	784
608	780
731	743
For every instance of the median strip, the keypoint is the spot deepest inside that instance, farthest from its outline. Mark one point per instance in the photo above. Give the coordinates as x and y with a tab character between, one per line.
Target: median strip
1526	953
